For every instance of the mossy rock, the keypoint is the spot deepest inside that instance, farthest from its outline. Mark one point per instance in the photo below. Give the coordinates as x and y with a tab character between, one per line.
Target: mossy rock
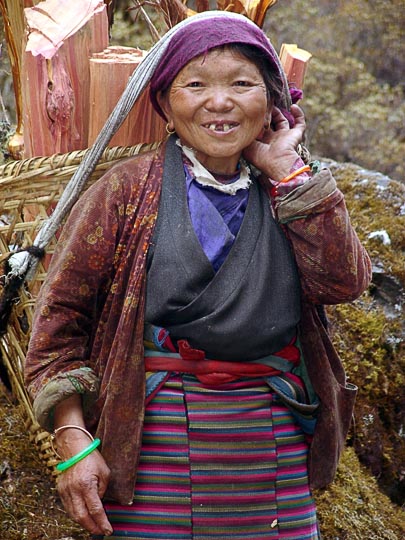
369	333
353	508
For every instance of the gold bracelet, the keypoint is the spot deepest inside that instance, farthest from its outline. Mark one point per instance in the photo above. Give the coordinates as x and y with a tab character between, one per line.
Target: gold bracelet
68	426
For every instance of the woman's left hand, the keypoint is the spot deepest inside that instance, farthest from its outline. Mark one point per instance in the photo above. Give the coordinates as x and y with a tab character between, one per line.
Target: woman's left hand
274	154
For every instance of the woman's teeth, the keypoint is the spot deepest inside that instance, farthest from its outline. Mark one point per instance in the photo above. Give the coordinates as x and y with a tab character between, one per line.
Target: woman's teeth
219	127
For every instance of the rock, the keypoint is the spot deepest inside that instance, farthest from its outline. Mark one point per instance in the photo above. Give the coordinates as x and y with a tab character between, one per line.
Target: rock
370	333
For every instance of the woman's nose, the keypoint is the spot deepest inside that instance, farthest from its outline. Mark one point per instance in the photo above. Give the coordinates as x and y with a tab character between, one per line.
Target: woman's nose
219	99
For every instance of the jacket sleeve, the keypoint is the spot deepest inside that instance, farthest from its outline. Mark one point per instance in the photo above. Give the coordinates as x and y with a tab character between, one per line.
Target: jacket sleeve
334	267
70	300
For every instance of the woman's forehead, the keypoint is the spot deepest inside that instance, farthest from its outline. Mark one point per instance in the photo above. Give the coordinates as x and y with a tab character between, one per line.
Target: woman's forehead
219	59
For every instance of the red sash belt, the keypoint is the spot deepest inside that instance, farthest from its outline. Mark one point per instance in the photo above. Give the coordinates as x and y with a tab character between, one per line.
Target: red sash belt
212	372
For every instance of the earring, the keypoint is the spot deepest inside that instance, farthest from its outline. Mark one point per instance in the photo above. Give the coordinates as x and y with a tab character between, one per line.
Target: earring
266	125
168	130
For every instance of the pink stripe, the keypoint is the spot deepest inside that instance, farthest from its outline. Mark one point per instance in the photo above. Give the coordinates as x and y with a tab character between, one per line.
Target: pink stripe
210	456
148	529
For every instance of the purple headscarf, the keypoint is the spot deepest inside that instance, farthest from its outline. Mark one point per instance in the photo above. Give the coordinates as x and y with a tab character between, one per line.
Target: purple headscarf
198	37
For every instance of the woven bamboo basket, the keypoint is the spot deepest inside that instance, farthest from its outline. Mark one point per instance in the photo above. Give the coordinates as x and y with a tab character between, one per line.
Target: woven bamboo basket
29	190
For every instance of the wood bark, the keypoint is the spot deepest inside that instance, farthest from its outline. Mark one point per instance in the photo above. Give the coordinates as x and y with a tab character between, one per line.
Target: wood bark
295	63
56	92
109	74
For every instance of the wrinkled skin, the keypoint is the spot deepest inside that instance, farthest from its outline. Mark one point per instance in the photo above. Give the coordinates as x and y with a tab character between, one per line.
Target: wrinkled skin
223	88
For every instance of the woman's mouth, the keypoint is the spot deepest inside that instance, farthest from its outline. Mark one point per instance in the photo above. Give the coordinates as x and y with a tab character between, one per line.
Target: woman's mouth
222	127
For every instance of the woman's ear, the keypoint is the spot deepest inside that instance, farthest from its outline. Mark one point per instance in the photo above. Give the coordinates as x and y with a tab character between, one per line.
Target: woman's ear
164	104
267	121
268	115
270	105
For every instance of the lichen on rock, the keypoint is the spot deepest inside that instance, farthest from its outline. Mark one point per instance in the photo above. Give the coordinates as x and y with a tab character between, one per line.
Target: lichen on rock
369	335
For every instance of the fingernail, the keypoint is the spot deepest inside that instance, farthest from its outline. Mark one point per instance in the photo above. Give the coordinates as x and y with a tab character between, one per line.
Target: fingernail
107	532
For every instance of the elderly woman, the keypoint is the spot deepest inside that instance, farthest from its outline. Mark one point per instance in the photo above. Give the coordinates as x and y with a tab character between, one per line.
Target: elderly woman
180	322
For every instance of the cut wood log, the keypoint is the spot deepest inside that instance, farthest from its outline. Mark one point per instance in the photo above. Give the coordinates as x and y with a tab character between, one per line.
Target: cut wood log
109	74
56	92
295	62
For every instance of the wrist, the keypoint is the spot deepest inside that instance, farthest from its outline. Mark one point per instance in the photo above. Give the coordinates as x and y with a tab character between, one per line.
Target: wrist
69	411
71	439
67	445
278	170
64	465
298	175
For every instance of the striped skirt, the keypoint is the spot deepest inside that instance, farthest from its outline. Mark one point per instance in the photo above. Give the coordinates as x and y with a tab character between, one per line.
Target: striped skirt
217	463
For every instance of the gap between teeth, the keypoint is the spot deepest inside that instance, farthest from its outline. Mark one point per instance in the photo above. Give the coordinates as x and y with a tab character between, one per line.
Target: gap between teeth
214	127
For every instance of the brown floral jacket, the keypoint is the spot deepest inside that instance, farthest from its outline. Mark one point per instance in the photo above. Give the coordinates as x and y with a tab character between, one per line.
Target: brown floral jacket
87	334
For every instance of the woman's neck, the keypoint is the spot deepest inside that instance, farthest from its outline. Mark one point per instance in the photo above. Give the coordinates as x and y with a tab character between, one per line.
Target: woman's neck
226	178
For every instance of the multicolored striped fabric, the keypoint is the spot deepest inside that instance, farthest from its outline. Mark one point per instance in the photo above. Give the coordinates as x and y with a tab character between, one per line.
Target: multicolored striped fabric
219	463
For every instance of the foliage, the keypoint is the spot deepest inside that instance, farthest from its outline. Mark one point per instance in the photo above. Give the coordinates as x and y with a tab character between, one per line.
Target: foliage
352	118
369	30
6	99
5	132
354	93
130	29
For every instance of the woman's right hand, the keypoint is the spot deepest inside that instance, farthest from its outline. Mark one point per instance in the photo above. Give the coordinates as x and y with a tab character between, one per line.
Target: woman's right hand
275	153
82	486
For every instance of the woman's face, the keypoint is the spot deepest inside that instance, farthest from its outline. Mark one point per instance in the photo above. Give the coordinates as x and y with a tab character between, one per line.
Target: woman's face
218	105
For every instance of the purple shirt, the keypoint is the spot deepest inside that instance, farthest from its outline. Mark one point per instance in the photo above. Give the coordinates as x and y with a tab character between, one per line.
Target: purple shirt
216	217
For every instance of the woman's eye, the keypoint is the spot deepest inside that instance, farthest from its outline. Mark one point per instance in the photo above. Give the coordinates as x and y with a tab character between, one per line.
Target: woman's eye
243	83
194	84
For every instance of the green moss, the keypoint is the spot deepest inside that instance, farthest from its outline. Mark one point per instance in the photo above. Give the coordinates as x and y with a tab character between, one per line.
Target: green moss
354	509
374	357
369	333
375	204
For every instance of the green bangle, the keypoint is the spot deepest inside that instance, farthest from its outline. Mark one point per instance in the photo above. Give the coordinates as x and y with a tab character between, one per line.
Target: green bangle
78	457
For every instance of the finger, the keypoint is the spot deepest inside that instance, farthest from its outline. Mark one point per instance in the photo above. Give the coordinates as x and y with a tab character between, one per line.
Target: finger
84	506
76	508
81	515
278	120
90	514
298	114
96	510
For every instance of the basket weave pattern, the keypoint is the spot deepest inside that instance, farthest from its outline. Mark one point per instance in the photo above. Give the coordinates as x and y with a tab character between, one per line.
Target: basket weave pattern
29	191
